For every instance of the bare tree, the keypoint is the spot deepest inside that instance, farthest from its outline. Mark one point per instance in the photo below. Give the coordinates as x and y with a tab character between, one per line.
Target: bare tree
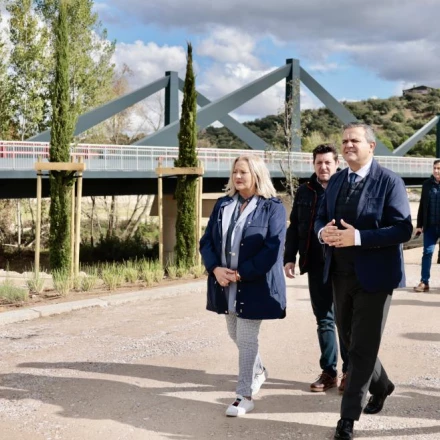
284	135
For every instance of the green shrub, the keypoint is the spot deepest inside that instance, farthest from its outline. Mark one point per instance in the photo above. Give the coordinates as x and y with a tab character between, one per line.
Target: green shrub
398	117
150	271
62	282
12	294
88	282
158	274
172	272
182	272
77	282
114	249
113	276
197	271
90	279
35	282
131	273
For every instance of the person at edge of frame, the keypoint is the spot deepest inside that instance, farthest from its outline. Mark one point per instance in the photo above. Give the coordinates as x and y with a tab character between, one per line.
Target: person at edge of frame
428	222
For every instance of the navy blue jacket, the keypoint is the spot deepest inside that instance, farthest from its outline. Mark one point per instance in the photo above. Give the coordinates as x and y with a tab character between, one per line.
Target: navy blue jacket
384	222
261	293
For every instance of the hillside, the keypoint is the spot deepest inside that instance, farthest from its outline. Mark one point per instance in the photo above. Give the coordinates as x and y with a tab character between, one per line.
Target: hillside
395	119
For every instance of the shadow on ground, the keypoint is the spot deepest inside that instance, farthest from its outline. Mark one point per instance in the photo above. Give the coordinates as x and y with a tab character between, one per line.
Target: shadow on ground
183	403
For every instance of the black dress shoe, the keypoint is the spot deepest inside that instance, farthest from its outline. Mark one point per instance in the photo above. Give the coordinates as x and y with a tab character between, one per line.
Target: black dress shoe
375	404
344	429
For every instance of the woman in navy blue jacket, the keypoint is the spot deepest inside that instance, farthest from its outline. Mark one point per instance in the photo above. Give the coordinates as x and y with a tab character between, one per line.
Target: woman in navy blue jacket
242	249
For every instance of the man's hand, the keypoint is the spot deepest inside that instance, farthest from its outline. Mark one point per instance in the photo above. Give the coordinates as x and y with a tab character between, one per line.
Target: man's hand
330	233
346	236
224	276
289	270
418	232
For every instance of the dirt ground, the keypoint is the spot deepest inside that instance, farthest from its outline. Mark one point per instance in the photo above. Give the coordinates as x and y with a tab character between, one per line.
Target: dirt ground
165	369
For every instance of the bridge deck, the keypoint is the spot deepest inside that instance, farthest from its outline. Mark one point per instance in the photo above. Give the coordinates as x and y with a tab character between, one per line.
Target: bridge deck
129	166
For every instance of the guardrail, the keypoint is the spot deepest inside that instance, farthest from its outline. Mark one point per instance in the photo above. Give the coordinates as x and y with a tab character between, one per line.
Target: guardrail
125	158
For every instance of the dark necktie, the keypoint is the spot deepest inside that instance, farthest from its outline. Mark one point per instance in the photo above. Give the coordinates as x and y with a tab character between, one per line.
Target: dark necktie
352	178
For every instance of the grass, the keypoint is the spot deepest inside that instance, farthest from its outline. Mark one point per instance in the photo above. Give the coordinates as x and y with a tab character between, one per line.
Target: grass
35	283
62	281
12	294
90	279
113	276
131	272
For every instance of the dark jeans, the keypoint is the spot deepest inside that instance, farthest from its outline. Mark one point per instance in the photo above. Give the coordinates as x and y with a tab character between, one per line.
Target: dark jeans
430	237
321	297
361	318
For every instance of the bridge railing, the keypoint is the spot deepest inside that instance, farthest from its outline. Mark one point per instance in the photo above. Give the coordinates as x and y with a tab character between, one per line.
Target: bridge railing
125	158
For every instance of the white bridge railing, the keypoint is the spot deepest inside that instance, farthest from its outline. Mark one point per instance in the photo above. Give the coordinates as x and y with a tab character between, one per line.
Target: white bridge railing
125	158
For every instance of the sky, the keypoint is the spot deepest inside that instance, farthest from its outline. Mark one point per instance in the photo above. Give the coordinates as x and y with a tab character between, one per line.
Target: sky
355	49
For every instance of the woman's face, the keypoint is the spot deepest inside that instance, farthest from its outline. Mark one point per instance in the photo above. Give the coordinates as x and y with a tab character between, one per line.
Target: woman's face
242	178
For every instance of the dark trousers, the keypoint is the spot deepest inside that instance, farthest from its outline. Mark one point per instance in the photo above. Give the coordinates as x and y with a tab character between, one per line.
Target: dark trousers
321	297
360	317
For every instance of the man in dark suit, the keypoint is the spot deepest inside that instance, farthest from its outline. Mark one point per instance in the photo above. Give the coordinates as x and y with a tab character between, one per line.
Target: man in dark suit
363	219
301	239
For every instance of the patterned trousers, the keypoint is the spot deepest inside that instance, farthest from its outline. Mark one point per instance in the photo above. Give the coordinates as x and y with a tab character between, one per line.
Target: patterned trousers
244	332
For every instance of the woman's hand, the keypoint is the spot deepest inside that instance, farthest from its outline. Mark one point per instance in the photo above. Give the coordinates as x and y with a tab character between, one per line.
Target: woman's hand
224	276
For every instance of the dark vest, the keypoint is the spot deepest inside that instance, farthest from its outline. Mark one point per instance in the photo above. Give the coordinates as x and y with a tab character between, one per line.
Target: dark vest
346	209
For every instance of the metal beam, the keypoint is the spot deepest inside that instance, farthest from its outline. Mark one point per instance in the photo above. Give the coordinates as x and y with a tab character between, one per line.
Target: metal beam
342	113
293	98
100	114
416	137
240	130
172	98
219	108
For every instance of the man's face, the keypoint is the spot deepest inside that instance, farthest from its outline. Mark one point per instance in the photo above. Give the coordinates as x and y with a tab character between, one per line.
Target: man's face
436	172
325	166
356	150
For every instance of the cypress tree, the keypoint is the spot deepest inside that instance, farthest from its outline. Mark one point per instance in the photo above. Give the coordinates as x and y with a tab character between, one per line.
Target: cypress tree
185	249
61	136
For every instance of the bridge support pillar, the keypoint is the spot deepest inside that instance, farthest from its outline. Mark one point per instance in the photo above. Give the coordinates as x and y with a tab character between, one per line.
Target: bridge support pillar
292	112
169	227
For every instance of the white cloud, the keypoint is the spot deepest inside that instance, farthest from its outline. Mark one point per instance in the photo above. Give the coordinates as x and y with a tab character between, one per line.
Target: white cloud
149	62
226	45
399	42
323	67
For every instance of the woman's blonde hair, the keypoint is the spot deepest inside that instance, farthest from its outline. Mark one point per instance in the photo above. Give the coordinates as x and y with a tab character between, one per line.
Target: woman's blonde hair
263	183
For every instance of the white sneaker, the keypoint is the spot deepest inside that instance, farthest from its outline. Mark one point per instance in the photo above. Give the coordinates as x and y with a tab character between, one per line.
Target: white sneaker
240	407
259	379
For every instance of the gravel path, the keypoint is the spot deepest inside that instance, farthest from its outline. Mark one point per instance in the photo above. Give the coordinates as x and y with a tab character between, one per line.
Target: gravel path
165	369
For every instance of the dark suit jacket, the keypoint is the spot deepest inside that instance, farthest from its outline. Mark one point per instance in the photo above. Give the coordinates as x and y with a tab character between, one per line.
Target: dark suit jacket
422	214
384	222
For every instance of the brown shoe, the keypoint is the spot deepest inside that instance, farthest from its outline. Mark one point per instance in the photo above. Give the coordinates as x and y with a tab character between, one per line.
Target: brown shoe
341	386
324	382
422	287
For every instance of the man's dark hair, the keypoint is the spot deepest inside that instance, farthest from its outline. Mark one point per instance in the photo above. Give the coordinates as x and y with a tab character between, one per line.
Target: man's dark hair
436	161
323	149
